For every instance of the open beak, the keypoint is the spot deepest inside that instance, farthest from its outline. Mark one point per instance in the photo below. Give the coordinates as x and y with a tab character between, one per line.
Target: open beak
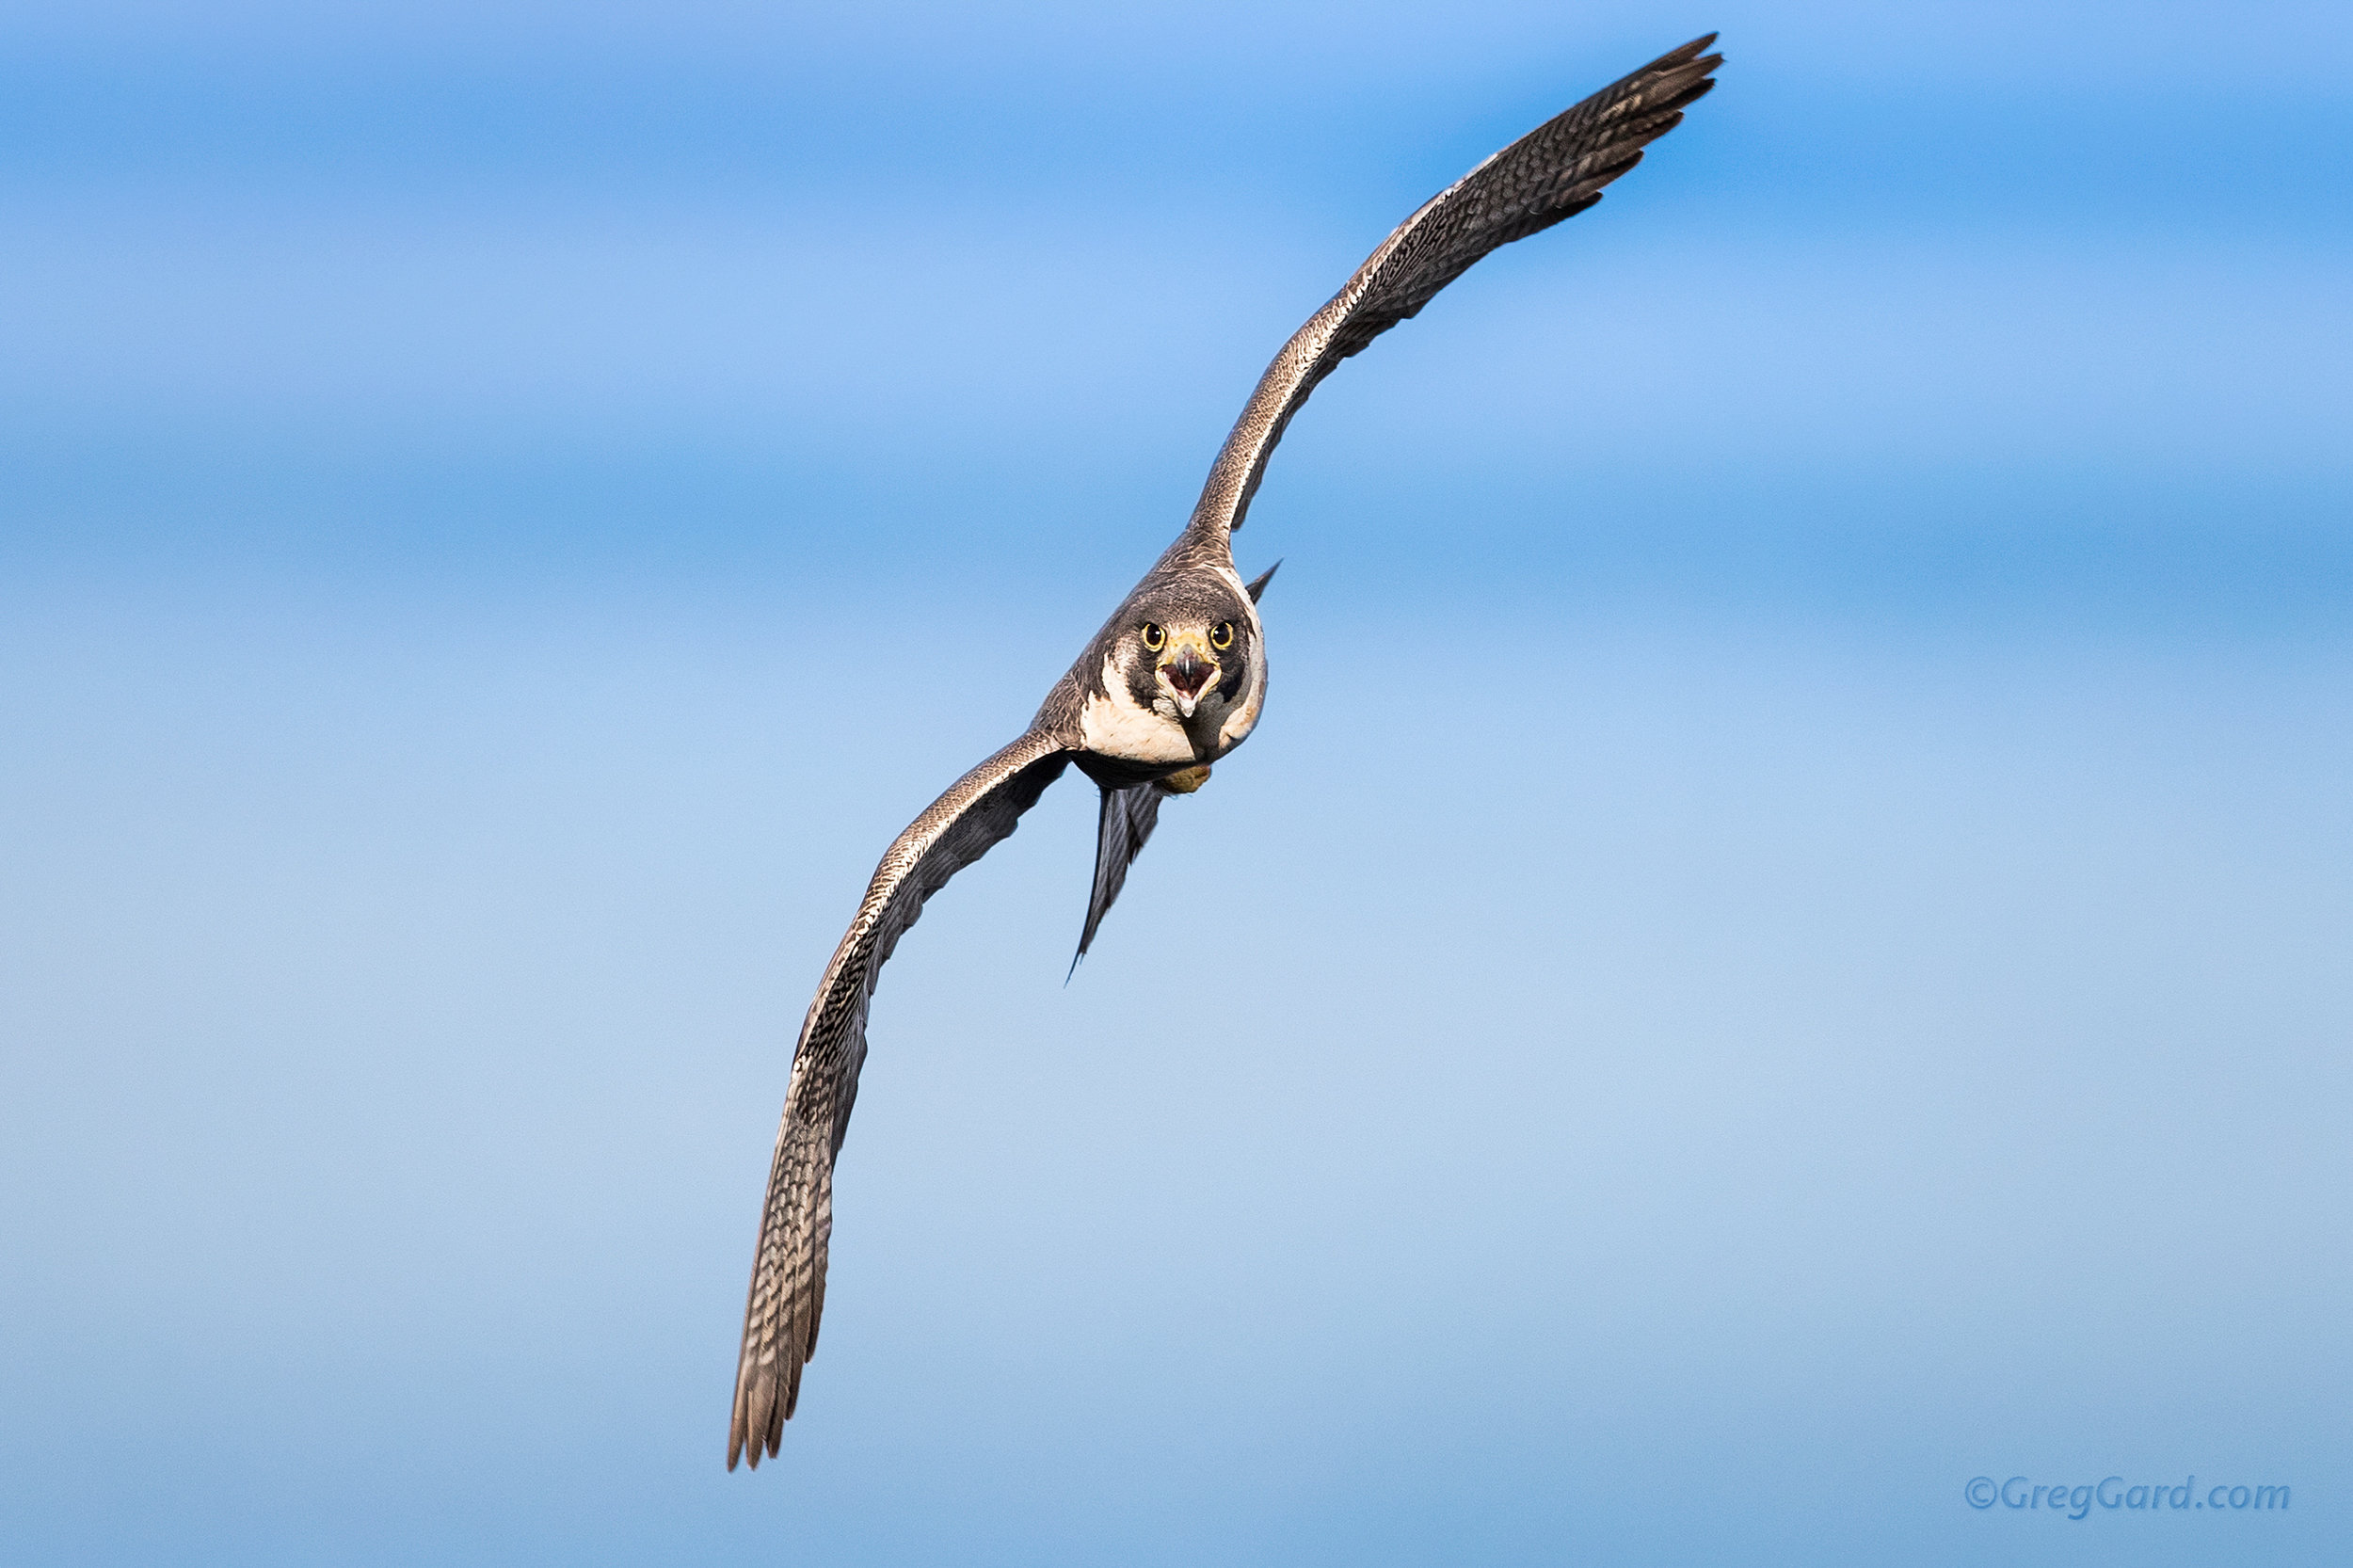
1186	672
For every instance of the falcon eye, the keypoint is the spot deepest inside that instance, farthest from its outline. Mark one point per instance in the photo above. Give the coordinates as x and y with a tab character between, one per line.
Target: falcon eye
1221	635
1154	638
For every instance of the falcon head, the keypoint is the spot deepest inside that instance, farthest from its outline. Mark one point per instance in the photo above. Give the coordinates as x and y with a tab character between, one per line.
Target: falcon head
1180	674
1184	661
1184	654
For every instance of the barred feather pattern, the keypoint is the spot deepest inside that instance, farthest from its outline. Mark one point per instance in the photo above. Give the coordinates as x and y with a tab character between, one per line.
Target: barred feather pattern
788	1288
1553	173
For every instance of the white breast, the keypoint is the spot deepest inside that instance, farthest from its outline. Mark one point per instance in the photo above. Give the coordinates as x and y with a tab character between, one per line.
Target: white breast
1113	725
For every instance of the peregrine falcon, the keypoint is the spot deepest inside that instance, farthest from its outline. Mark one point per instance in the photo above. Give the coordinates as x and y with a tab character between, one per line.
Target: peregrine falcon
1173	681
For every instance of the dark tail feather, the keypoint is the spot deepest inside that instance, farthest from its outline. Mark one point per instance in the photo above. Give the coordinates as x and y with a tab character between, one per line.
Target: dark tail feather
1128	820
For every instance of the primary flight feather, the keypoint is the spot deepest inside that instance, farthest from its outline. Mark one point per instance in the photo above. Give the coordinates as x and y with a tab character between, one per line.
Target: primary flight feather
1172	683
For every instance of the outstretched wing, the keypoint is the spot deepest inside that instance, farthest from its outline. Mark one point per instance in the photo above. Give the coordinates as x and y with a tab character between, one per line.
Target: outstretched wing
788	1293
1554	171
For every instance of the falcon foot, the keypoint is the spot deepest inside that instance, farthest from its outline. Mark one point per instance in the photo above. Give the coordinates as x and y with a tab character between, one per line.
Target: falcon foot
1185	780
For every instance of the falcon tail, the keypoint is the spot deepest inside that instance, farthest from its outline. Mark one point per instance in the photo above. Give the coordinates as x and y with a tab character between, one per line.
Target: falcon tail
1128	820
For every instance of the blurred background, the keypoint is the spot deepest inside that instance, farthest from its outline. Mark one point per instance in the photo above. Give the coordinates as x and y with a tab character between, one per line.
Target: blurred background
1783	943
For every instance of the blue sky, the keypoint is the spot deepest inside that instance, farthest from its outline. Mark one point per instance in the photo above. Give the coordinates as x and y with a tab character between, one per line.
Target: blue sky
1821	977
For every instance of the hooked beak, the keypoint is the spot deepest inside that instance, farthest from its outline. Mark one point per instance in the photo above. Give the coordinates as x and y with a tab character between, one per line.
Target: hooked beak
1185	673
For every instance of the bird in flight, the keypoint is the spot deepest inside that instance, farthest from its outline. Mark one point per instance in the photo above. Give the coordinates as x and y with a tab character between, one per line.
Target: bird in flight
1173	681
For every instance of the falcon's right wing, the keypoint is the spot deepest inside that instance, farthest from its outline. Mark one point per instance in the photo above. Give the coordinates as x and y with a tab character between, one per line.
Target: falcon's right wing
788	1292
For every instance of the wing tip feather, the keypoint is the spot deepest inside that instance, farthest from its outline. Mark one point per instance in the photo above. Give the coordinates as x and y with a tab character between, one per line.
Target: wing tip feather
1677	68
1684	52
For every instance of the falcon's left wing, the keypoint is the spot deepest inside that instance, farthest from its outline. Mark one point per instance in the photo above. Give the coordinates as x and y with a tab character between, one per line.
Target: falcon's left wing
1554	171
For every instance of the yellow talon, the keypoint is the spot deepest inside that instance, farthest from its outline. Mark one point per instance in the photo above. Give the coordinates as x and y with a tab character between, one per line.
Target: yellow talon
1185	780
